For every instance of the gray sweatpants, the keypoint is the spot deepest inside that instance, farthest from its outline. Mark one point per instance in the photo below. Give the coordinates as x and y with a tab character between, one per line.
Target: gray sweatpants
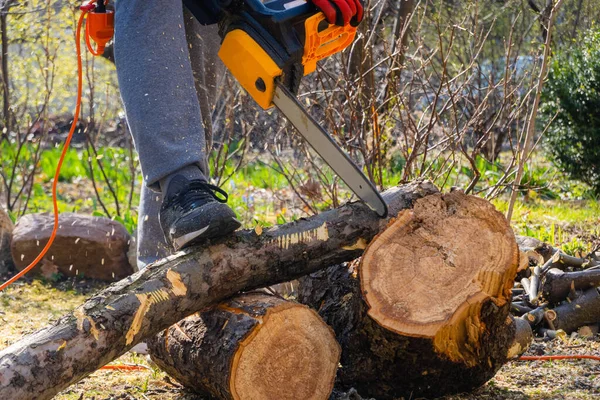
168	99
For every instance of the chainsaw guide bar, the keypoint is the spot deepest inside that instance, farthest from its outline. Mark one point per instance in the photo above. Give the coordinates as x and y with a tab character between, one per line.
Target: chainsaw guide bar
328	149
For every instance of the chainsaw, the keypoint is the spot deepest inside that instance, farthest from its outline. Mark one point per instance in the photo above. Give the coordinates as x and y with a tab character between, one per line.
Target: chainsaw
269	47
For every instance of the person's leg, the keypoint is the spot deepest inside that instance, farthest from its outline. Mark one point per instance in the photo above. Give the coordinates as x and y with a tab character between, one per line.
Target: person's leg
151	243
203	43
209	71
157	87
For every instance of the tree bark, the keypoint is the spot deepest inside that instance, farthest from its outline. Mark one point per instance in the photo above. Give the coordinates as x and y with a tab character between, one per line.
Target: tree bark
426	312
255	346
129	311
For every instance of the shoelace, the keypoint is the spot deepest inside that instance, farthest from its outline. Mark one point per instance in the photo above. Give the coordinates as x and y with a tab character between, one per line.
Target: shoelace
198	191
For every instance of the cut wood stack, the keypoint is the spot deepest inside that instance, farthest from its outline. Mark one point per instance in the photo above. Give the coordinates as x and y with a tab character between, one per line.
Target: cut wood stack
559	292
255	346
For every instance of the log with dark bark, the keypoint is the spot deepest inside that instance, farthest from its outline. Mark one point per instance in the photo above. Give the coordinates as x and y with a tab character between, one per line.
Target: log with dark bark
426	312
255	346
584	310
114	320
558	284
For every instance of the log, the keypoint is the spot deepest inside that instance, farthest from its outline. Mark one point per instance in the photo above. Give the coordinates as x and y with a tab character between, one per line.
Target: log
426	313
522	339
528	244
584	310
255	346
127	312
557	283
81	241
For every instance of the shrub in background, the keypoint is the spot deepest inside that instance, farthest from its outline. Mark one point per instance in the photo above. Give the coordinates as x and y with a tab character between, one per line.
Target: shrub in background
572	98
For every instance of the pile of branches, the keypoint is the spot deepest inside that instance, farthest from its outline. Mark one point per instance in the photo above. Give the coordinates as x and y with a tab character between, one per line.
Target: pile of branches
556	292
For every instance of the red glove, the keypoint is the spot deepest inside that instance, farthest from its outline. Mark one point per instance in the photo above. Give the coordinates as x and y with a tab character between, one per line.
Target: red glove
340	12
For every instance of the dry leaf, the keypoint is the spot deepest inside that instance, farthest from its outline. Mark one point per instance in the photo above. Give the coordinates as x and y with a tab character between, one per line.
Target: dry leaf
258	230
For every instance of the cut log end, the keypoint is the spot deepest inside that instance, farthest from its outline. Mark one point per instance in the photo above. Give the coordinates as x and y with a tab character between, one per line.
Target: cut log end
448	272
255	346
290	349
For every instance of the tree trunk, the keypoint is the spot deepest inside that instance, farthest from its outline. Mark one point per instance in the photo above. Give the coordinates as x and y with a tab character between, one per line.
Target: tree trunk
426	311
132	310
255	346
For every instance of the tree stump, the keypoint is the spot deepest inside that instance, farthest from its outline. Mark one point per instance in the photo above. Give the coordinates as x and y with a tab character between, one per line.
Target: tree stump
255	346
426	311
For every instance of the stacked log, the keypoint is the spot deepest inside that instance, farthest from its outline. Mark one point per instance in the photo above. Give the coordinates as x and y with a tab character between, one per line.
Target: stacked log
256	346
426	312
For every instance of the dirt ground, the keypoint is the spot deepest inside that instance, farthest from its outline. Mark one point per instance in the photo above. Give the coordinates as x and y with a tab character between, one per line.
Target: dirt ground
29	305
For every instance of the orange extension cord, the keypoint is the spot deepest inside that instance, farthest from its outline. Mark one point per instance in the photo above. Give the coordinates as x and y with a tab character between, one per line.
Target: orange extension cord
62	157
558	357
126	367
118	367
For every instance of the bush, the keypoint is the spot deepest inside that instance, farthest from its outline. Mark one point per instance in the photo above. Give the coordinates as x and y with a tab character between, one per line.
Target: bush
572	94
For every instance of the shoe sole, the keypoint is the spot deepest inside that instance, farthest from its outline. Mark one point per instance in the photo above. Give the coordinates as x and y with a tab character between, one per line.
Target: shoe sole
214	230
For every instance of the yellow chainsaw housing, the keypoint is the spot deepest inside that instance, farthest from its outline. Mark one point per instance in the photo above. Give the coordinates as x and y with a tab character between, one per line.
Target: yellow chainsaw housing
256	71
249	63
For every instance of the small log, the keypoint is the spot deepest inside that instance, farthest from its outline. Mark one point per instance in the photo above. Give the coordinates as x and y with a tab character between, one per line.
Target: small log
534	317
94	247
585	310
535	284
519	308
423	315
526	284
523	338
527	244
255	346
557	284
561	260
138	307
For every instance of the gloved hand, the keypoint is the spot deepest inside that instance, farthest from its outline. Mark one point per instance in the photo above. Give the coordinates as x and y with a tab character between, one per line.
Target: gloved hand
341	12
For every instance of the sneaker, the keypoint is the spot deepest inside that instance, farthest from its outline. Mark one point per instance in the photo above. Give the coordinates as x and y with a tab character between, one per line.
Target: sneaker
192	212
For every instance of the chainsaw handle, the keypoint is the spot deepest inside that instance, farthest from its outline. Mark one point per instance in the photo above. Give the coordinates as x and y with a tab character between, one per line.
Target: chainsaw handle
323	40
